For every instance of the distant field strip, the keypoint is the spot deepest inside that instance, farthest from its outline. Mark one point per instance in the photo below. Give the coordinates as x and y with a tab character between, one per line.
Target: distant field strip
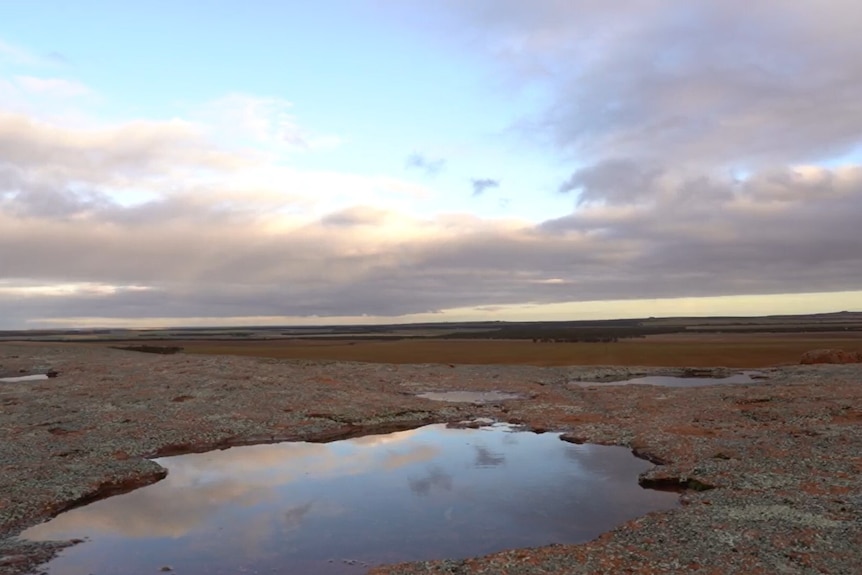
730	350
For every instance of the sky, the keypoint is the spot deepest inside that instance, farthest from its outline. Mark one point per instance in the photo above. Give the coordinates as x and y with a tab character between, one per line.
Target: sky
382	161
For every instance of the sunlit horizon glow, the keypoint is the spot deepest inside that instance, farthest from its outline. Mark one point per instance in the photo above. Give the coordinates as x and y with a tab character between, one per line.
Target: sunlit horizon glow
738	306
375	162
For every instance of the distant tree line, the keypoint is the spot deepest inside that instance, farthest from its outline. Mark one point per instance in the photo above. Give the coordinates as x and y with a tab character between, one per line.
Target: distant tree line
162	349
553	334
606	339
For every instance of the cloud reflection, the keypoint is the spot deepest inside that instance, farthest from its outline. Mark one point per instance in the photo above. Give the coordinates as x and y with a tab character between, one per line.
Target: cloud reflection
197	485
487	458
293	507
435	479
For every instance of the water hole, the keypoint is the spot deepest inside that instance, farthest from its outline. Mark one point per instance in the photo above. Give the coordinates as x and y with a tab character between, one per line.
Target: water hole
469	396
22	378
674	381
338	508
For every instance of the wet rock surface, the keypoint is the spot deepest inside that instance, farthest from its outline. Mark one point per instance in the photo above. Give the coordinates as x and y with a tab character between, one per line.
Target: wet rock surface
771	470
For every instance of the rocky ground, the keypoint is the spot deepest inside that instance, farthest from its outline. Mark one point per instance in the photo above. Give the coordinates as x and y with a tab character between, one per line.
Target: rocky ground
771	470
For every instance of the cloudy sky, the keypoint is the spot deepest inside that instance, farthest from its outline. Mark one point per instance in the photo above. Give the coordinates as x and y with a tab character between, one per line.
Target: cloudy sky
184	163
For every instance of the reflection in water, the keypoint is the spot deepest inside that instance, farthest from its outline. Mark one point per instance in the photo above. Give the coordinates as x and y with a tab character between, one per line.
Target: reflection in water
436	478
669	381
336	508
487	458
293	517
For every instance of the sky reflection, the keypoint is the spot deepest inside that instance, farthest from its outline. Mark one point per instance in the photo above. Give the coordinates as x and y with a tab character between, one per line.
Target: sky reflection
334	508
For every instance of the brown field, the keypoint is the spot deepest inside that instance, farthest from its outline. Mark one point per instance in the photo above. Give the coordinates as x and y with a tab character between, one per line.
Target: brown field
672	350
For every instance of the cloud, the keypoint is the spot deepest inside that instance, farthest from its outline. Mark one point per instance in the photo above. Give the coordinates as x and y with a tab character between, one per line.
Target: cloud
431	167
712	86
356	216
221	253
58	87
682	242
45	97
261	121
196	260
481	185
711	149
613	180
57	154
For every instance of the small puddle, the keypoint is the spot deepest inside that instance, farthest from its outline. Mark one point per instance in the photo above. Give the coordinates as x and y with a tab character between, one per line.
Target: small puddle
34	377
469	396
669	381
338	508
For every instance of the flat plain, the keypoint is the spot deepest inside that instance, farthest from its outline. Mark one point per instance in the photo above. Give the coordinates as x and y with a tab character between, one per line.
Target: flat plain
671	350
741	342
769	473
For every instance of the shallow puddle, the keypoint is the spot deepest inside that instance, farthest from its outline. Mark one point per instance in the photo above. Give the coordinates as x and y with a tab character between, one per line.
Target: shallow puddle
34	377
668	381
469	396
338	508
